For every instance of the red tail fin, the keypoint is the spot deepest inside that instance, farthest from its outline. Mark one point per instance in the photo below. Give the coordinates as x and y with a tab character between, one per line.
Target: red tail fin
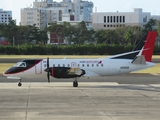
149	46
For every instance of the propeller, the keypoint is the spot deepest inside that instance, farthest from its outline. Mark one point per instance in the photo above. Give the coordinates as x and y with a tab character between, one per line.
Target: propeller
47	70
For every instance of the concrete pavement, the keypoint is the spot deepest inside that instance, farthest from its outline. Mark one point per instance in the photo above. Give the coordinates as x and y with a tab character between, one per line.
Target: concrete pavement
90	101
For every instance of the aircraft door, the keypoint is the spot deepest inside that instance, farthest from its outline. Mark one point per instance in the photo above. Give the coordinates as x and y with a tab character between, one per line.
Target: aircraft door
73	65
38	67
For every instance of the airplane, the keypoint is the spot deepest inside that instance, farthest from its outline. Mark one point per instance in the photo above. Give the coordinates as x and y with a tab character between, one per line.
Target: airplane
139	58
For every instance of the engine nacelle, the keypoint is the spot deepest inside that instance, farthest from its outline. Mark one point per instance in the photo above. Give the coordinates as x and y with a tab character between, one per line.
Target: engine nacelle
66	72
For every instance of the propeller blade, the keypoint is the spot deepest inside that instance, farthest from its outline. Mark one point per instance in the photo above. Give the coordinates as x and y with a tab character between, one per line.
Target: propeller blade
48	63
48	75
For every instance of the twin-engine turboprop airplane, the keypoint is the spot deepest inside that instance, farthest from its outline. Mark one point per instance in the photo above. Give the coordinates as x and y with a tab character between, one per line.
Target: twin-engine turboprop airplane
138	59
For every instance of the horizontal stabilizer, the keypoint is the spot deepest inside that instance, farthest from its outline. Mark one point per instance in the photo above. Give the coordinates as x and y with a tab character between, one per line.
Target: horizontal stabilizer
139	60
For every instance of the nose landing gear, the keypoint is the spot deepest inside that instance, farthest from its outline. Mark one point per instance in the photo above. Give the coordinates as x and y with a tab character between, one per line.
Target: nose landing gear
75	83
19	83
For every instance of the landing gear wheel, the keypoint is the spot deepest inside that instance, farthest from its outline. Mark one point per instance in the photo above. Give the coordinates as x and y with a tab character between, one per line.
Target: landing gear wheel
19	84
75	84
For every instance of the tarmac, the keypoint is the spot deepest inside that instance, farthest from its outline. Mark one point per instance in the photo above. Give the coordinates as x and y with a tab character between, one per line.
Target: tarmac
90	101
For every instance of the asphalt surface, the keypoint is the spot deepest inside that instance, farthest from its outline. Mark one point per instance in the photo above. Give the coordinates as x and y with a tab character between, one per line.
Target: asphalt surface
15	60
124	97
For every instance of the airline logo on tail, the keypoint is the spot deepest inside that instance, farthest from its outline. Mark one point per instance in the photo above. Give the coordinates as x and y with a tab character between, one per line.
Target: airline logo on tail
148	48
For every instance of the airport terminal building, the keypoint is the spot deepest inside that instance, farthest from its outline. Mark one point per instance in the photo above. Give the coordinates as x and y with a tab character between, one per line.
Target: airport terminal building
112	20
5	16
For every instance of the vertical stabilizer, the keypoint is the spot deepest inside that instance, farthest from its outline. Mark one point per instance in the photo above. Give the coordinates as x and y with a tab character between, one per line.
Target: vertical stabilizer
149	46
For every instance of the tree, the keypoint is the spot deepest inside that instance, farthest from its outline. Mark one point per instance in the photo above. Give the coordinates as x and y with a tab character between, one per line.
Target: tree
158	29
69	32
100	36
128	35
58	30
82	33
91	36
150	24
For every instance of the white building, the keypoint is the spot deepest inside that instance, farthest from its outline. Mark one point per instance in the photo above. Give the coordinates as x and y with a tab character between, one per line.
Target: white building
48	11
112	20
5	16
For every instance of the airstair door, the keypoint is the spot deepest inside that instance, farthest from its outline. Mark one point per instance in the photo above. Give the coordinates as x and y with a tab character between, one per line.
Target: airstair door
38	67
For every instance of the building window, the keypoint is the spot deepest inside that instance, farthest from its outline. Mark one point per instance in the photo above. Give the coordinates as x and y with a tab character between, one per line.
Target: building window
123	18
104	25
120	19
145	19
108	19
117	19
104	19
111	19
114	19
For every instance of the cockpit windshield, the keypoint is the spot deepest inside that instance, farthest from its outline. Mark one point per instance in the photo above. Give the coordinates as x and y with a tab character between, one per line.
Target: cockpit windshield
20	64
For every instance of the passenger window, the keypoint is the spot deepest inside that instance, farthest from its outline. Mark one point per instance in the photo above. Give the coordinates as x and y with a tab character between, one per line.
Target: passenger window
45	65
53	65
78	65
101	65
58	65
68	65
87	65
63	65
82	65
92	65
97	65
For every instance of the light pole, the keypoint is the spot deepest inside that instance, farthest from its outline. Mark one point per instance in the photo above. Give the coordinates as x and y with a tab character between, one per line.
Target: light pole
13	41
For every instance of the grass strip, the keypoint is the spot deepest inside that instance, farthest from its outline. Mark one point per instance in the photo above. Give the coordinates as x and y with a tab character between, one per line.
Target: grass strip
152	70
59	56
5	66
52	56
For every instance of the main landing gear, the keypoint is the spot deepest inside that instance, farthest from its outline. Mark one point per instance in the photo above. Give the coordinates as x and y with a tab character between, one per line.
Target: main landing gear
19	83
75	83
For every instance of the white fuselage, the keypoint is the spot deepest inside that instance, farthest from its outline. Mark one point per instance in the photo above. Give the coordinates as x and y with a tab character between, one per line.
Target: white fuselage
92	67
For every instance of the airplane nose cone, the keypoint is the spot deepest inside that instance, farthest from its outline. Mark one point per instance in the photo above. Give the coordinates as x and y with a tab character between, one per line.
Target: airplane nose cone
4	73
9	71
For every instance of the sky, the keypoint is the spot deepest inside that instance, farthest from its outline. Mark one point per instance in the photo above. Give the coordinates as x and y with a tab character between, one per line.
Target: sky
102	6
